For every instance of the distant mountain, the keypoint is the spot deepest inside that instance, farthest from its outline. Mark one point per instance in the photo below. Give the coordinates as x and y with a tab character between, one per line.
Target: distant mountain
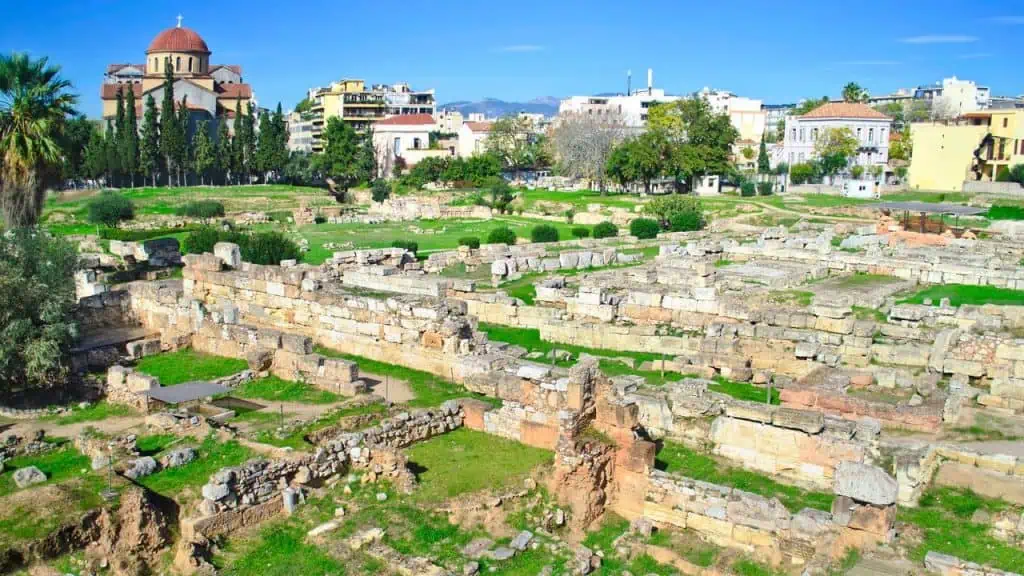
495	108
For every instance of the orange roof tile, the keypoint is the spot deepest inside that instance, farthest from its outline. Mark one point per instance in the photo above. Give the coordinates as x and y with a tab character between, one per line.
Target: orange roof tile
479	126
846	110
407	120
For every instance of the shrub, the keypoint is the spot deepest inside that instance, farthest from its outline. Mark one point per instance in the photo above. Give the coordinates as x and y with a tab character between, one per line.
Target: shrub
801	173
644	228
605	230
471	241
140	235
764	188
687	221
319	219
268	248
1017	174
544	233
664	206
201	209
1003	174
748	189
110	208
502	235
203	239
37	295
380	191
569	215
407	244
581	231
857	171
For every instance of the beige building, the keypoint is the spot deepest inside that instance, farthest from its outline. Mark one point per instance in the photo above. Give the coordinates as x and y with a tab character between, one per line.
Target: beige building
473	138
348	100
448	121
977	147
212	90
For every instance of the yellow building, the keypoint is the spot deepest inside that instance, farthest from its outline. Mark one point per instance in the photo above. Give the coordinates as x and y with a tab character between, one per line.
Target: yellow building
348	100
976	147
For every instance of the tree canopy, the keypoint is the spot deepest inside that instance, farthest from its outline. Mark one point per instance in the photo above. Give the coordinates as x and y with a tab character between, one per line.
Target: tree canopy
853	92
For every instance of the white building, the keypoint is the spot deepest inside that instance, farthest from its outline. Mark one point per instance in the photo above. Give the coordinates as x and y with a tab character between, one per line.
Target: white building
406	136
632	108
401	99
869	126
300	133
473	138
954	97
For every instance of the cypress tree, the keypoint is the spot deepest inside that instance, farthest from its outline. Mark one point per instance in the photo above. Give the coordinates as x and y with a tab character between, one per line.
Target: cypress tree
169	127
118	168
265	145
111	159
95	155
149	161
238	144
185	144
249	142
281	142
130	141
222	149
202	151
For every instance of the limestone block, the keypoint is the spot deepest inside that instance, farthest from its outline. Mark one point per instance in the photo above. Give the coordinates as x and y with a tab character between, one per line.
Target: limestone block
229	253
809	421
568	260
297	343
138	382
865	483
875	519
753	411
966	367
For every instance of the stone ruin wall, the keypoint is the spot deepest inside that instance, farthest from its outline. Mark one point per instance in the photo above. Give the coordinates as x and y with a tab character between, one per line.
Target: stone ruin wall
419	332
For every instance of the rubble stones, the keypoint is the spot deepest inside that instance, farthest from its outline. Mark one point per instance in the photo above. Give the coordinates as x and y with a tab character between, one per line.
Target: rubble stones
179	457
522	540
27	476
141	467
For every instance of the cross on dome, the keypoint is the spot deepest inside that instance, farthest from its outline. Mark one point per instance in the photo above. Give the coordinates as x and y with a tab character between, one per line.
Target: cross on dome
179	20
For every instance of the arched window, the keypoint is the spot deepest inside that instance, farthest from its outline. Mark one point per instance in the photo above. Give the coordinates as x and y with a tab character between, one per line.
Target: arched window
177	64
189	63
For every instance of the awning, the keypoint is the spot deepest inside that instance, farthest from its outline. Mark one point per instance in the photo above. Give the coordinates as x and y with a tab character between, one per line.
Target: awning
187	392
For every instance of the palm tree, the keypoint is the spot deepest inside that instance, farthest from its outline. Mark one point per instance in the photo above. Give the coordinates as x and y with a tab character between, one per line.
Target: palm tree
852	92
34	102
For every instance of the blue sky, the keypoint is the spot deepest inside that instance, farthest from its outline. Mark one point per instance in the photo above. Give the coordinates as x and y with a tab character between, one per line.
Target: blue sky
522	49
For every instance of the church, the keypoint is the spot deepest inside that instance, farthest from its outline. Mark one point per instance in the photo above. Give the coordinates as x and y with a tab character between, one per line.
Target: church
213	90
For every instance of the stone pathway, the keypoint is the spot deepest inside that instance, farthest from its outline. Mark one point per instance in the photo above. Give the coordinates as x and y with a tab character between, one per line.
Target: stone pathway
876	567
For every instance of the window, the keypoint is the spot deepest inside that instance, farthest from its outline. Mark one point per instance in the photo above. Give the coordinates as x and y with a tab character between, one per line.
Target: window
801	135
1005	122
177	64
398	146
871	135
814	134
801	156
189	63
416	143
858	134
881	136
793	136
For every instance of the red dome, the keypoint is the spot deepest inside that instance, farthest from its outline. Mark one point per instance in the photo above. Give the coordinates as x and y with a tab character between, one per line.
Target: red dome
178	40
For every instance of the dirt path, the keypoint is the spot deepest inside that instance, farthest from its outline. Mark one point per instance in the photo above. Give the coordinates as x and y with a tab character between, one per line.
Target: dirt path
110	426
388	388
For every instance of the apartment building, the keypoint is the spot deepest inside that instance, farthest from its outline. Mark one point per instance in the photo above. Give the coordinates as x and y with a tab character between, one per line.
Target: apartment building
632	108
975	147
361	107
870	127
300	132
401	99
953	97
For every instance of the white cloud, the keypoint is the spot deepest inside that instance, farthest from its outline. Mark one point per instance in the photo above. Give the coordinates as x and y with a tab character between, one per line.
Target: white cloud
939	39
521	48
975	56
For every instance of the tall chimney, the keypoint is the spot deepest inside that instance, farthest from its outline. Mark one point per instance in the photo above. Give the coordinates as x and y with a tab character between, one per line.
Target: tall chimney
629	82
650	80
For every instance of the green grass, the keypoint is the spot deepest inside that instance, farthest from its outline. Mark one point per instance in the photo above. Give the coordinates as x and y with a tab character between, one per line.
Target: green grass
748	567
944	516
433	235
1002	212
274	389
525	291
678	459
186	365
530	339
282	550
744	390
430	390
65	467
152	444
94	412
929	197
865	313
466	461
213	455
722	263
794	297
687	545
611	528
578	198
960	294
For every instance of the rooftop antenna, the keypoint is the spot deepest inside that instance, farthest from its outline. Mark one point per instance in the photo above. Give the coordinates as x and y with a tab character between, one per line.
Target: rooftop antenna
179	20
629	82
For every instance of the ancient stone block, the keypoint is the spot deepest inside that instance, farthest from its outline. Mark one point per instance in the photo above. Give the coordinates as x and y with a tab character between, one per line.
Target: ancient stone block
865	483
229	253
809	421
